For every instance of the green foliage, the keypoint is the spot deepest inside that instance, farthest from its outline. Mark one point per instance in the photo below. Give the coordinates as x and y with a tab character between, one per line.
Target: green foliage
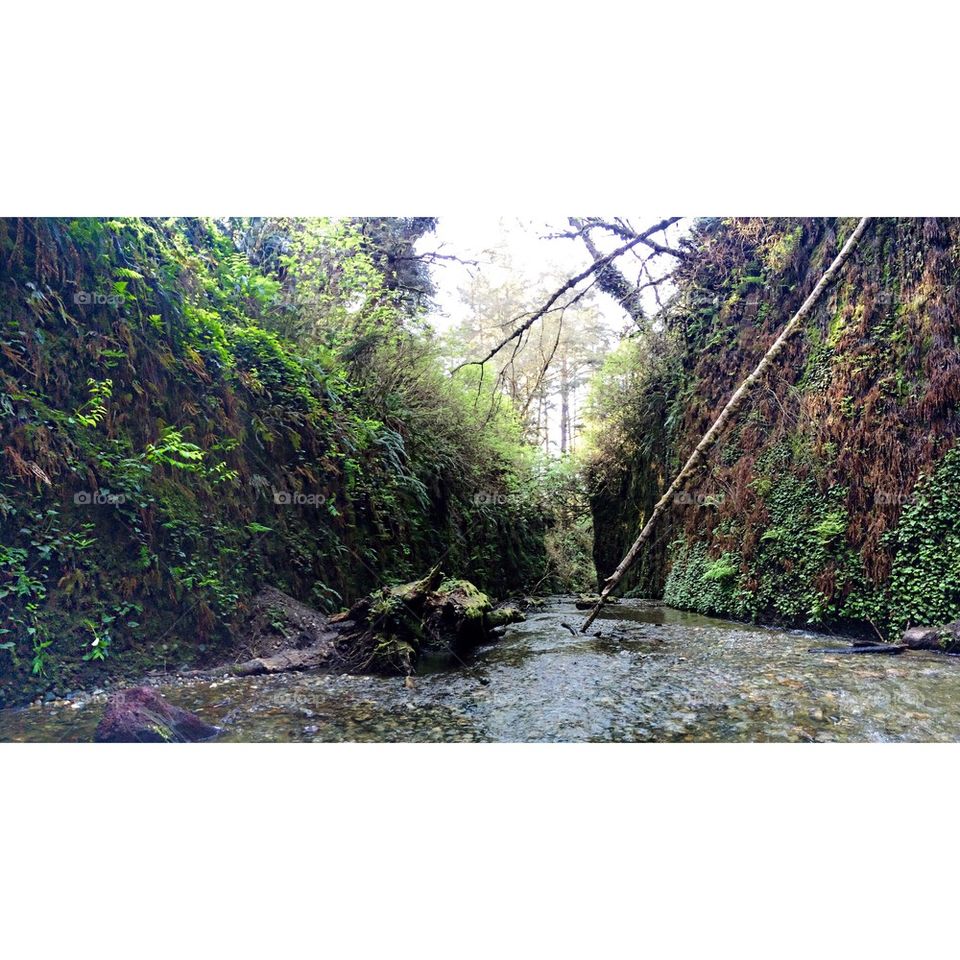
99	644
805	534
569	536
856	411
720	571
173	451
26	575
95	409
780	249
831	527
696	582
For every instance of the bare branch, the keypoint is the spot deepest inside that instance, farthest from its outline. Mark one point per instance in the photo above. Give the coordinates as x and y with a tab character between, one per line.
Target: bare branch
622	229
596	266
432	256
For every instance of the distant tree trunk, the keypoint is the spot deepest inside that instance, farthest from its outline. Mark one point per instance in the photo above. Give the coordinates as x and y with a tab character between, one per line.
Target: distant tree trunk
564	407
572	416
546	424
732	408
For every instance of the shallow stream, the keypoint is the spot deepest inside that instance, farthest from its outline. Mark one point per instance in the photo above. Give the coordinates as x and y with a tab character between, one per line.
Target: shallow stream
654	674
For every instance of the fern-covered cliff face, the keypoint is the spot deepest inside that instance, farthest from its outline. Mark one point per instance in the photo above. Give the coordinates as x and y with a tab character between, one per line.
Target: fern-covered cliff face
191	409
836	497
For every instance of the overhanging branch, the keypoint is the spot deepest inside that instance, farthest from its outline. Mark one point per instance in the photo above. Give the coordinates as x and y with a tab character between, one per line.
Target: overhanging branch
597	265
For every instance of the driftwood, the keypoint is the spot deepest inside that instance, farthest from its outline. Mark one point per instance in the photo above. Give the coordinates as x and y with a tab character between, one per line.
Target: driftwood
311	658
733	406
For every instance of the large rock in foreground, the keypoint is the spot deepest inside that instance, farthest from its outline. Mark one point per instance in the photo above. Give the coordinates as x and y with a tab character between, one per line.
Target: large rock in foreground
946	639
142	715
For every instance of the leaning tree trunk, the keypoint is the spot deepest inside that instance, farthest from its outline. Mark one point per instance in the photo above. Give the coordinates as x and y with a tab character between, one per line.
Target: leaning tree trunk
732	408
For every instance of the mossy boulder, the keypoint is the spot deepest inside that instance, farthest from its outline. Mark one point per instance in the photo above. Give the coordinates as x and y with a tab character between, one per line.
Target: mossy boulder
469	602
394	629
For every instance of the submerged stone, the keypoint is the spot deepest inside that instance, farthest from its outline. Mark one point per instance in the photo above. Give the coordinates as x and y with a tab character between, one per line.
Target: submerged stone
504	613
587	601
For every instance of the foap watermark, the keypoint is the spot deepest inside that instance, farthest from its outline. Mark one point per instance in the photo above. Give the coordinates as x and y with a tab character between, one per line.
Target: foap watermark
295	498
691	498
265	489
886	498
98	498
286	496
89	298
496	499
499	498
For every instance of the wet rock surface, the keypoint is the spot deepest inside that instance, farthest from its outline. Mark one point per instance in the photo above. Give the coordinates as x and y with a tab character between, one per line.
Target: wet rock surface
143	715
505	613
587	601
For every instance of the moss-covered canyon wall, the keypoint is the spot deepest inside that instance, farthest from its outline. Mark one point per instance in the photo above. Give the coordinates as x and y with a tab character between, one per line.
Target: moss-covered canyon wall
836	497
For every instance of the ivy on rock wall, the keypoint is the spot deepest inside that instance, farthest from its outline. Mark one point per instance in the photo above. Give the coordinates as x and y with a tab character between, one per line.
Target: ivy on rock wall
924	583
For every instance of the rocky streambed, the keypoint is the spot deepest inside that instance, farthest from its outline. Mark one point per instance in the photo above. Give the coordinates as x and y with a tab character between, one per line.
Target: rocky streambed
654	674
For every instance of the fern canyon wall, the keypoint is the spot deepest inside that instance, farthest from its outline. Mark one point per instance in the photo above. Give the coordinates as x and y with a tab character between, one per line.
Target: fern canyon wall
833	499
192	409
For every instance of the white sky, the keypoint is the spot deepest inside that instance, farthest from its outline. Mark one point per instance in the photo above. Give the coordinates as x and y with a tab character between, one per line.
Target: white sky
471	237
532	253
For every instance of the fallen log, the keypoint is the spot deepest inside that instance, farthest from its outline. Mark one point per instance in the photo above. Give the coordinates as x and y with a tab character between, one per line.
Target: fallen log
286	661
433	618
